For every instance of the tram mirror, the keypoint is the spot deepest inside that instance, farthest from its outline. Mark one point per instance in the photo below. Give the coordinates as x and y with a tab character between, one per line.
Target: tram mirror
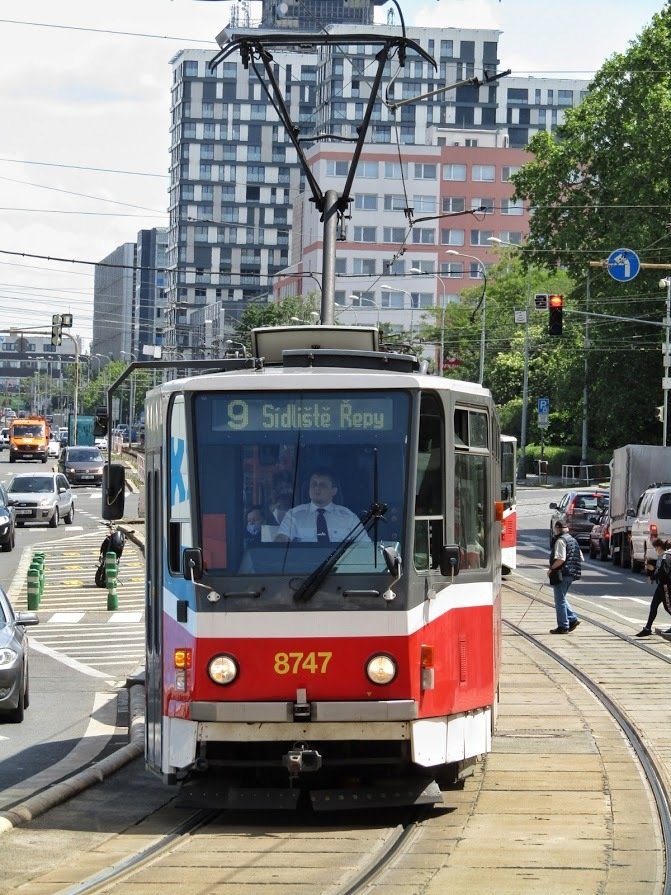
113	491
192	563
449	560
393	560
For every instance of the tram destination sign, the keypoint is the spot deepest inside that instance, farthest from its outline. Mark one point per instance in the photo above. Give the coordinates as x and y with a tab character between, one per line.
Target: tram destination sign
335	414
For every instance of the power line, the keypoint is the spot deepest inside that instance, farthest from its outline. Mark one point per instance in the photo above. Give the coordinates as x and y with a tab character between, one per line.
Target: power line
83	168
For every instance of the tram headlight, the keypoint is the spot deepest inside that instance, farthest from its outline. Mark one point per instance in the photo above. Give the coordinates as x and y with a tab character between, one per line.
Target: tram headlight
222	669
381	669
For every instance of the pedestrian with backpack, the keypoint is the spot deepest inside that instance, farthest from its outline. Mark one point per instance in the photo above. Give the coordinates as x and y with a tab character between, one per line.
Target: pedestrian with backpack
660	572
565	568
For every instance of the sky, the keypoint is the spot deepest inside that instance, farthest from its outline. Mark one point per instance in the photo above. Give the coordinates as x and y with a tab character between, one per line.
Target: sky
85	112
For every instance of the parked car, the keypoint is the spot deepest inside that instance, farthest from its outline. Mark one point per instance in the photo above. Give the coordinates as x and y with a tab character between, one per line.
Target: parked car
4	438
653	520
7	522
41	497
599	538
14	691
82	465
575	510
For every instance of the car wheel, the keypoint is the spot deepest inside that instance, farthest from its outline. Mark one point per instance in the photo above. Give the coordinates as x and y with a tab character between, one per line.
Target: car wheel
592	550
16	715
53	522
19	524
70	516
7	545
26	692
603	552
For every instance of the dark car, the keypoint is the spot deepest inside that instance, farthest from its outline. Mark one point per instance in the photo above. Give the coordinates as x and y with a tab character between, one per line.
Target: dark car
576	509
7	522
599	538
14	693
82	465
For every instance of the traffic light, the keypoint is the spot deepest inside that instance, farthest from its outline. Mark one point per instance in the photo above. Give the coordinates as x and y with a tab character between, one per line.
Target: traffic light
56	329
556	306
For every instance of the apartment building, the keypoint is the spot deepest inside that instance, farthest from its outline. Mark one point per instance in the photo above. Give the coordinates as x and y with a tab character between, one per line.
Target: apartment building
239	213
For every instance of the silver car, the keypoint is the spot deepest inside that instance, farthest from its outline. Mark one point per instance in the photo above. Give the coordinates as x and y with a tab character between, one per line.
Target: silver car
14	692
41	497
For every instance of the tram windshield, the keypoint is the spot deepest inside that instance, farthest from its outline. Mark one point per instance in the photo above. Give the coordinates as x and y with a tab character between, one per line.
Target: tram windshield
284	478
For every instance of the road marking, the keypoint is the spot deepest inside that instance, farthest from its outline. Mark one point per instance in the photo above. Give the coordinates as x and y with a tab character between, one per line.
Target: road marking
66	660
66	618
125	618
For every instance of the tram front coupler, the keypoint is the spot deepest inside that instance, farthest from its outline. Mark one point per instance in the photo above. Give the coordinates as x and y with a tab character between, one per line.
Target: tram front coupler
301	759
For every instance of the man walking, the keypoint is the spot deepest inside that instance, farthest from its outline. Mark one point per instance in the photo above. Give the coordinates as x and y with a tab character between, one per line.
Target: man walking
565	567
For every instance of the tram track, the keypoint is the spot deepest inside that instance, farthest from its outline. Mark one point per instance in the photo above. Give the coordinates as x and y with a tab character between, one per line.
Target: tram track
646	744
179	847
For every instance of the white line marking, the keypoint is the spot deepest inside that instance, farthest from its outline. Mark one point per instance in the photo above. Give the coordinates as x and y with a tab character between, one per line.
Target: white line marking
124	618
66	660
66	618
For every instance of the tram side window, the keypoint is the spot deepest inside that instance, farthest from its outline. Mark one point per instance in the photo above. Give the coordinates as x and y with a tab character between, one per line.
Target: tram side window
471	506
429	515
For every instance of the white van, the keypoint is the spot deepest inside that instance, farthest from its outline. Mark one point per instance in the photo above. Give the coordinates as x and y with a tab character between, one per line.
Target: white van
653	520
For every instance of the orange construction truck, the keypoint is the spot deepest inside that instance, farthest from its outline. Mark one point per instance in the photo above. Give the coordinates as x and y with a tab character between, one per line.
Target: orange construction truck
29	439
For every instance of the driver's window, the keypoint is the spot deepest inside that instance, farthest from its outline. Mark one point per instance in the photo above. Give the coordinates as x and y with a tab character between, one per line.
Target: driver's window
429	502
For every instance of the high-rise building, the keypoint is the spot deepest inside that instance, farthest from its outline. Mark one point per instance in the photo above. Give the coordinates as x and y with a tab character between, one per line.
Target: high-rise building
113	298
312	15
235	175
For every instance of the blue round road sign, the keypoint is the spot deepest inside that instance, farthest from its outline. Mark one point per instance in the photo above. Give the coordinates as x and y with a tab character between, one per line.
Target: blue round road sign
623	265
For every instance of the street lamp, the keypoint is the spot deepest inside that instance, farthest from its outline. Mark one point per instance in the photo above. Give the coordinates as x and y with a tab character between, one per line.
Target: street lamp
483	302
441	357
240	346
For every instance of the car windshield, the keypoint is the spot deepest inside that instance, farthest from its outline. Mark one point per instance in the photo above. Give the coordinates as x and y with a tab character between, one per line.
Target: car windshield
86	455
39	484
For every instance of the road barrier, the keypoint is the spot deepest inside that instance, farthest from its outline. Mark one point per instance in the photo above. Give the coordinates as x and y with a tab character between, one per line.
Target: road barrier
35	583
111	573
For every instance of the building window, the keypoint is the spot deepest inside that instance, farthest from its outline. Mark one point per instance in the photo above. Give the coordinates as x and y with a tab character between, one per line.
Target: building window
207	152
513	236
565	97
365	234
481	237
208	110
507	171
392	299
454	172
453	204
425	204
483	173
368	169
336	168
258	112
425	171
394	203
365	202
423	236
510	207
363	266
394	235
191	69
395	170
452	237
485	206
452	269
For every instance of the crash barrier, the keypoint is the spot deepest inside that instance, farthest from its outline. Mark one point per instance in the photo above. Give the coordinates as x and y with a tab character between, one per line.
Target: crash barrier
111	574
584	474
35	582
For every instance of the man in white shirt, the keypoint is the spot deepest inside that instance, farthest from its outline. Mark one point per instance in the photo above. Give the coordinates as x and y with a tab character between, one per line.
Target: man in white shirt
320	521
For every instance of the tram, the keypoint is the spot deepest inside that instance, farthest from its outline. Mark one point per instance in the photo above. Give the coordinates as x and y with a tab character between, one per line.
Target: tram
509	499
284	667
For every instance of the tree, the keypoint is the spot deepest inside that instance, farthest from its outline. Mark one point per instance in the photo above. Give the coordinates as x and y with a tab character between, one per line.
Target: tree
601	184
304	309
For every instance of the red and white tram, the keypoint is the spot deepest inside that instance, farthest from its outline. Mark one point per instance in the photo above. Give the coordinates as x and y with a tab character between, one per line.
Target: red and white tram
287	668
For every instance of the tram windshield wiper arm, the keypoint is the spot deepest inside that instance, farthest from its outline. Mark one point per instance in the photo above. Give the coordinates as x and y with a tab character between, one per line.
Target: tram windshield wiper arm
309	587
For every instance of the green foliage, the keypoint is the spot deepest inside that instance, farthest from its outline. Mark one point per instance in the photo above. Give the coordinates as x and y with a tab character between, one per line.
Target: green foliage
602	184
305	309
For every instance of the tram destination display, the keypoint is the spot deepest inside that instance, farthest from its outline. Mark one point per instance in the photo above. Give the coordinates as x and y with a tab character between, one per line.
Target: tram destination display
323	413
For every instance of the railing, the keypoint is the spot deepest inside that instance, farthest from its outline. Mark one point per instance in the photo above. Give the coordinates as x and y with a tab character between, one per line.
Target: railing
584	474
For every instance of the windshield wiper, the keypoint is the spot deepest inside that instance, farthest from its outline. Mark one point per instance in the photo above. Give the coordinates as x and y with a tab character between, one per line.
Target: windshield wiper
309	587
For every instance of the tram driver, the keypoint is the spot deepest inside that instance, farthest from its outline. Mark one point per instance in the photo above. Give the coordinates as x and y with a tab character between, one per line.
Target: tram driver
321	520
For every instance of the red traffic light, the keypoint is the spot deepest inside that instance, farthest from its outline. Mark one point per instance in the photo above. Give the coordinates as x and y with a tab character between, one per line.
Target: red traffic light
556	308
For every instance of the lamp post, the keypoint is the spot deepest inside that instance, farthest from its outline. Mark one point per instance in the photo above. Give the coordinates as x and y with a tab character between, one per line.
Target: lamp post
375	305
483	302
441	356
240	347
